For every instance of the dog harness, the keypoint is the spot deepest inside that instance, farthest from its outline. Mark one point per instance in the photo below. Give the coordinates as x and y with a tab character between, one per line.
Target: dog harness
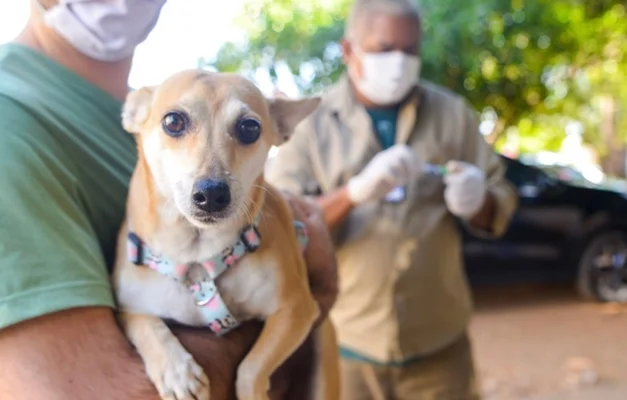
205	293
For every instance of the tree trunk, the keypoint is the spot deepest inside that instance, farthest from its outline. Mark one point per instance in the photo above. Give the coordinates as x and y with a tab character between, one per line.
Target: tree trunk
614	161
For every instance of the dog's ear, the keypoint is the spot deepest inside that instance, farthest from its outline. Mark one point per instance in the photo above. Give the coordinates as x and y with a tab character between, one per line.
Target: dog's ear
136	109
287	114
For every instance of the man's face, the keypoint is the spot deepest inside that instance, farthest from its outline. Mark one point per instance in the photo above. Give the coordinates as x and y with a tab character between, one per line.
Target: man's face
384	33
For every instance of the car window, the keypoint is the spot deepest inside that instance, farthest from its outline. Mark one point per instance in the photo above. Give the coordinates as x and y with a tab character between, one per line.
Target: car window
520	174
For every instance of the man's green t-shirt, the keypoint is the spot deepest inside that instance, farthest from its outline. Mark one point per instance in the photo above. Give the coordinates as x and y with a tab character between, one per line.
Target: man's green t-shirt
65	163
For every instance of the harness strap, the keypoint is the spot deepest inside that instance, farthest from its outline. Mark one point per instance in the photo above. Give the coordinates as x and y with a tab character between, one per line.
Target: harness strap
206	293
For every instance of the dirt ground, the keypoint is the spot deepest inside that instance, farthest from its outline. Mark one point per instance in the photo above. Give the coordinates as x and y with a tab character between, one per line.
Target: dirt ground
537	341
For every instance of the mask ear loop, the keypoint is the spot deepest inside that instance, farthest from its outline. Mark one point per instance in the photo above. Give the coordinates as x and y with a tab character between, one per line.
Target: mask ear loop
357	52
40	7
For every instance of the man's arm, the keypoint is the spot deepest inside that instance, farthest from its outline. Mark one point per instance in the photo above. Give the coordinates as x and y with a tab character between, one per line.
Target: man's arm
485	217
79	353
335	206
292	171
500	200
320	252
389	168
82	354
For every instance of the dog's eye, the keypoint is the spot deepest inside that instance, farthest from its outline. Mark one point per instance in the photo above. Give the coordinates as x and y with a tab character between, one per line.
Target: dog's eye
247	130
174	124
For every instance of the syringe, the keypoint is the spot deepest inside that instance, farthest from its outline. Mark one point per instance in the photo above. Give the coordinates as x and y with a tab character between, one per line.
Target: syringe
434	169
399	193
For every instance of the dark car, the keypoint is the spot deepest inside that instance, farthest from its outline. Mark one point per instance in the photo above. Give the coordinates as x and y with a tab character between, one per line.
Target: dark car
562	231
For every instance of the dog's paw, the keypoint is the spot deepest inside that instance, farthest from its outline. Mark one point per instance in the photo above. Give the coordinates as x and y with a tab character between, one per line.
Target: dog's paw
250	385
177	376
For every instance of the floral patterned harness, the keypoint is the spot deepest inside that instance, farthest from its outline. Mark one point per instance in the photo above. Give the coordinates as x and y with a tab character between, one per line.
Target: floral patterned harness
205	293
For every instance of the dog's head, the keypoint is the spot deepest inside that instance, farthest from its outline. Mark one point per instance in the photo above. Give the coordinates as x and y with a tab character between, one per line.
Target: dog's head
205	138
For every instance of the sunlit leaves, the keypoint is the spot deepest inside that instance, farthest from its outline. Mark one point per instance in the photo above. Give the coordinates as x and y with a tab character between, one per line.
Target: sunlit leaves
298	34
537	63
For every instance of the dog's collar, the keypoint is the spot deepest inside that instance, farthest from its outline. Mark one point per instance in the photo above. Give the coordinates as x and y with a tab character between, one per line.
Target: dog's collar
206	292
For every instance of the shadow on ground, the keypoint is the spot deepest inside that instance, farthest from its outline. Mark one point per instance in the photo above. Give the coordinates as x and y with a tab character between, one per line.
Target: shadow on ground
543	340
522	296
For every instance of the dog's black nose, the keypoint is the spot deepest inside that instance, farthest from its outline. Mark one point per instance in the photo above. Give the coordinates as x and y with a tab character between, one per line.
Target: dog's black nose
211	195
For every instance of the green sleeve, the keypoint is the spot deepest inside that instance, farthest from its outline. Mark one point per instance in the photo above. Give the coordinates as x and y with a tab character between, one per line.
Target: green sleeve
50	259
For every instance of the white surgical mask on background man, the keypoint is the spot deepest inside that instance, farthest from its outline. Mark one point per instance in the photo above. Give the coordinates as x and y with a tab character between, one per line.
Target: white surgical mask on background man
387	77
105	30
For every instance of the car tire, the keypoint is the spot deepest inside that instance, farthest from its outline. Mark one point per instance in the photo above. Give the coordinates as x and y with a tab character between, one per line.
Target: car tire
591	283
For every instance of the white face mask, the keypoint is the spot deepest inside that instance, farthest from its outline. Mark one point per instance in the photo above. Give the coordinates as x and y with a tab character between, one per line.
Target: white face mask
387	77
106	30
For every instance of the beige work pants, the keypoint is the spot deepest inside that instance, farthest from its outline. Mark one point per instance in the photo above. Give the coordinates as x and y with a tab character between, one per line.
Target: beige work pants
446	375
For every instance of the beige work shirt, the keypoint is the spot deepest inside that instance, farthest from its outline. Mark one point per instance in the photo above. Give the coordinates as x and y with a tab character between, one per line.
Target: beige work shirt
403	289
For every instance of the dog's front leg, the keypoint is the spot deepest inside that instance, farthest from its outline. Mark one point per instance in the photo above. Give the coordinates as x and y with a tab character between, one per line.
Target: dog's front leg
169	366
283	332
326	379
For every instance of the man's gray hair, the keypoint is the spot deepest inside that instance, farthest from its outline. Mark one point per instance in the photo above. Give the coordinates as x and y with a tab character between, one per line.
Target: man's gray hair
362	10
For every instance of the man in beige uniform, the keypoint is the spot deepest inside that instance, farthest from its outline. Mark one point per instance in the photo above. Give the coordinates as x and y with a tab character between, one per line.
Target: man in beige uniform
404	303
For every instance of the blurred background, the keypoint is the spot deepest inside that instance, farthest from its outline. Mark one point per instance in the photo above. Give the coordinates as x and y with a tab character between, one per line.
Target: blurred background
549	78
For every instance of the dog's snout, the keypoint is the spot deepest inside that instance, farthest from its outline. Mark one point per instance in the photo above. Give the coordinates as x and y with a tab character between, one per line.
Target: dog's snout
211	195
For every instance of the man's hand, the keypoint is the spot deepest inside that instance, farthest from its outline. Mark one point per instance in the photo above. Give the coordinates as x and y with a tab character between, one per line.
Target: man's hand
466	188
388	169
320	253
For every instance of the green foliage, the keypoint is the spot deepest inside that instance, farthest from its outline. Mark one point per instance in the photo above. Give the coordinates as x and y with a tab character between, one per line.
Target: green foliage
302	35
536	63
597	71
494	52
540	132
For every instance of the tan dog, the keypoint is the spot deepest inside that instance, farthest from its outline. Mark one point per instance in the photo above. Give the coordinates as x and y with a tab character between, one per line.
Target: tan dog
209	242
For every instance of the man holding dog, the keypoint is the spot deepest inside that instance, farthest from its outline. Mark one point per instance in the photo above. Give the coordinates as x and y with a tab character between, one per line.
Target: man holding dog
404	304
65	163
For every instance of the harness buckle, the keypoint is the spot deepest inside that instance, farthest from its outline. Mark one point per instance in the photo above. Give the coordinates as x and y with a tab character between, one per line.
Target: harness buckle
203	301
135	249
251	238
